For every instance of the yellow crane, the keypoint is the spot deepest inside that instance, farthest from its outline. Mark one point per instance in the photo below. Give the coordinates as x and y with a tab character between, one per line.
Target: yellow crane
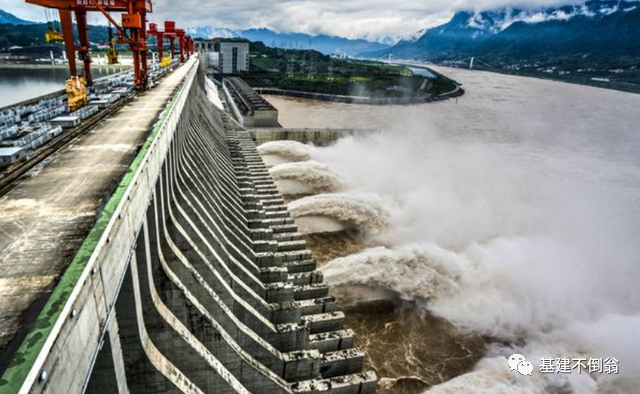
112	55
53	33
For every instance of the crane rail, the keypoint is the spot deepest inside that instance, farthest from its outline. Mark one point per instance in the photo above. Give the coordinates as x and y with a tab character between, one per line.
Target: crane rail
15	173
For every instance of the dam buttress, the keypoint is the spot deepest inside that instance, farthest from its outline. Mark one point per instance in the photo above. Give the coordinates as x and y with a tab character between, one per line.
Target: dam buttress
193	279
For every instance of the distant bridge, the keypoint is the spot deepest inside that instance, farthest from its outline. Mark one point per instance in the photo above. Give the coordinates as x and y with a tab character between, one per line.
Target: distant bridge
156	256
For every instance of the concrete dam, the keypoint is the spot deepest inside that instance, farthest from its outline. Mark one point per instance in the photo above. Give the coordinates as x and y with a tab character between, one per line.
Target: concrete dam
179	270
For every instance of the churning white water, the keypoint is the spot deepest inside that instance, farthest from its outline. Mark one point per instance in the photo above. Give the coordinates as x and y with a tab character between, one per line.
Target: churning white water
513	212
305	177
426	271
335	212
279	152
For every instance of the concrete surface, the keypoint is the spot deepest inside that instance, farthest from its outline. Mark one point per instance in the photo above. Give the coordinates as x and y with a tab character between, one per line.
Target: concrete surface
44	220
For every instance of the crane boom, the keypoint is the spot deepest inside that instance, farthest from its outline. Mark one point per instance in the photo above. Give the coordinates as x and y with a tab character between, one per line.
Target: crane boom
132	30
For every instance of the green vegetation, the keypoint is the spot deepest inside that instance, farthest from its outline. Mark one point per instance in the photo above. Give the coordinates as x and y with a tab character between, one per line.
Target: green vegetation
622	73
314	72
33	35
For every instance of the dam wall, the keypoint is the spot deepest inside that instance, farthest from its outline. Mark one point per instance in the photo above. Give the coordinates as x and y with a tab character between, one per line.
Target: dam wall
193	280
317	137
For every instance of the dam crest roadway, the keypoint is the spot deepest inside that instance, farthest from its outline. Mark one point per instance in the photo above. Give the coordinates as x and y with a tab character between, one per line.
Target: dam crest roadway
155	255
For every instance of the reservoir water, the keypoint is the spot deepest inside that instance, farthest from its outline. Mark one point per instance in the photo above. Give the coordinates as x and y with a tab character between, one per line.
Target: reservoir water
512	225
23	83
421	71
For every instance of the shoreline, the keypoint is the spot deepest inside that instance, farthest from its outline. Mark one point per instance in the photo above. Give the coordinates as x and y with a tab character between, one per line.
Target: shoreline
57	93
632	89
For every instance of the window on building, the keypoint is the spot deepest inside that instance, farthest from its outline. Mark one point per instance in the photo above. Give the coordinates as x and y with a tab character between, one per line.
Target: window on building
234	60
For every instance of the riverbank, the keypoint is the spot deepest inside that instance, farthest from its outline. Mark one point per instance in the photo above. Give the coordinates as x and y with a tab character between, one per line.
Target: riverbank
574	79
608	82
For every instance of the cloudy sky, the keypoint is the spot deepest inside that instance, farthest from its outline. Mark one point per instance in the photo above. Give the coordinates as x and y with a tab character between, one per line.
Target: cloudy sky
371	19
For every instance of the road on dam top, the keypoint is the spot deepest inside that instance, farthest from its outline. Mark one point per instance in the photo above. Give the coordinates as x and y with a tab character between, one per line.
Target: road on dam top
44	220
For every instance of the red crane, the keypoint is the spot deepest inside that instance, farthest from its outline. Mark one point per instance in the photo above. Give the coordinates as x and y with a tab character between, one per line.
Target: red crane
170	33
180	33
153	31
185	42
192	46
132	30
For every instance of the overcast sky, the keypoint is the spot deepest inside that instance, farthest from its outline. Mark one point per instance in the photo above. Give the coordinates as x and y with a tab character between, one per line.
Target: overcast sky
371	19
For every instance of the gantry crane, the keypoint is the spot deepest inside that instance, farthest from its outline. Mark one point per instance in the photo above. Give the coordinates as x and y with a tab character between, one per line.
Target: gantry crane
159	35
191	46
132	31
185	42
169	32
180	33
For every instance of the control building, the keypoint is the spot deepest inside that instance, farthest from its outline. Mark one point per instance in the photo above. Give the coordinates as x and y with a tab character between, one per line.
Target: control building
234	57
229	57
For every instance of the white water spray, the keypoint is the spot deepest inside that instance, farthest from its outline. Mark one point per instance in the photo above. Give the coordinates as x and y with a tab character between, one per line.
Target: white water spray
334	212
278	152
305	177
412	271
537	252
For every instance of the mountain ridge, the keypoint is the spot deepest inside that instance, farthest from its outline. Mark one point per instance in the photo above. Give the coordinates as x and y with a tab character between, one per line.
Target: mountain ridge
321	43
483	33
9	18
593	43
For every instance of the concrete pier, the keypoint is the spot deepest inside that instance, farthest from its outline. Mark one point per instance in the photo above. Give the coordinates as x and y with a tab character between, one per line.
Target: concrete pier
248	107
193	278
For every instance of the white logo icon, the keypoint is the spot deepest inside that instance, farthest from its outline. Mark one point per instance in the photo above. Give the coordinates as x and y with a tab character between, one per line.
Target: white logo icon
525	368
518	363
514	360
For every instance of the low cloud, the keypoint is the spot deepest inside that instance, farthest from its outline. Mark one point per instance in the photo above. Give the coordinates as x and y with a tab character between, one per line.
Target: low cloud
376	20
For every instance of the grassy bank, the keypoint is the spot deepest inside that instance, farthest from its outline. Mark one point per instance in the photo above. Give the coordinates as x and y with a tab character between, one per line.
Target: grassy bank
313	72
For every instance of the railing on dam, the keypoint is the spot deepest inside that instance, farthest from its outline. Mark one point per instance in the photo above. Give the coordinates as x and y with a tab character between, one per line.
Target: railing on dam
194	279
